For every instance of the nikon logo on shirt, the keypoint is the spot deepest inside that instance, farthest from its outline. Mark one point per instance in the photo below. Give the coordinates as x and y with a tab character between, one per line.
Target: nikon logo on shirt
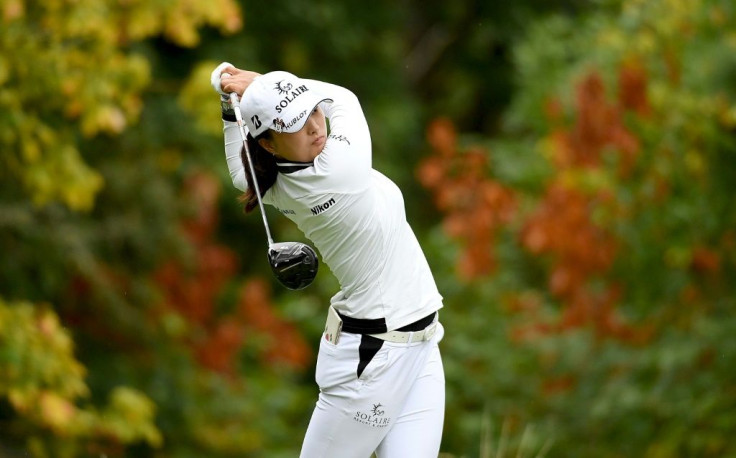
317	209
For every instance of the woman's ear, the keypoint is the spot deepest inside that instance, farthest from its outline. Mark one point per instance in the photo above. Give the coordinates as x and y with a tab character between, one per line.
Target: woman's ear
267	145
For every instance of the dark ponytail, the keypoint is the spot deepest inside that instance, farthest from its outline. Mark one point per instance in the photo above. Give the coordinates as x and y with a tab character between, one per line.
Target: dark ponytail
265	167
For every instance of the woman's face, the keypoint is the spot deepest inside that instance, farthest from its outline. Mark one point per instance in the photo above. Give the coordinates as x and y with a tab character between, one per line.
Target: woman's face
301	146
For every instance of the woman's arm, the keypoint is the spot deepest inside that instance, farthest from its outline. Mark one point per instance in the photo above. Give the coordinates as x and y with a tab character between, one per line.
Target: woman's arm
345	113
233	146
347	156
226	79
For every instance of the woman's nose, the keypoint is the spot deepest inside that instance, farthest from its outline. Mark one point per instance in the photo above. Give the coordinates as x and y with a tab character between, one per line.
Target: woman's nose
312	124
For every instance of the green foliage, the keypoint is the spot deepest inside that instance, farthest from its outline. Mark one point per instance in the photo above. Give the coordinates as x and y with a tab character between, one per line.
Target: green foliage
584	253
44	383
66	70
630	113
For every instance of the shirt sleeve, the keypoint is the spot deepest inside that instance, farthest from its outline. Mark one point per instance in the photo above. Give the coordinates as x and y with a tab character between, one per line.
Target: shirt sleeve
233	146
346	159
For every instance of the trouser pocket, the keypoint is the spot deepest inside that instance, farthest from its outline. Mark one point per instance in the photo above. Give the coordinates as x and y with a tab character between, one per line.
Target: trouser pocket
367	350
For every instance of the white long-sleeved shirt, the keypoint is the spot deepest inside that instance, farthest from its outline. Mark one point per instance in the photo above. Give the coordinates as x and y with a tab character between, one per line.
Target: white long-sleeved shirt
354	216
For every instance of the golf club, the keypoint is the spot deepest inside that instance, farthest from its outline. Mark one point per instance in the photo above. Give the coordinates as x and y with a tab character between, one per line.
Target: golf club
294	264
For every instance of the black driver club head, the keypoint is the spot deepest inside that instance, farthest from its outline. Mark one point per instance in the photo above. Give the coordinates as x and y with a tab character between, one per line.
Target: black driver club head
294	264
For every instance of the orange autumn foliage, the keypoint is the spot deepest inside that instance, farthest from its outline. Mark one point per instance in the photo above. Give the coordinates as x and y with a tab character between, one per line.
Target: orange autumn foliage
632	83
705	260
193	289
578	254
561	228
282	341
475	205
599	125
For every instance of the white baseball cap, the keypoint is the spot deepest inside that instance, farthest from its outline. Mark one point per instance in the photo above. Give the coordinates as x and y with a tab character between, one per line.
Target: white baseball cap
280	101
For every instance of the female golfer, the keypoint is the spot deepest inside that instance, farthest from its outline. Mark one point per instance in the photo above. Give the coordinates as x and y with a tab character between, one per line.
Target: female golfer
379	369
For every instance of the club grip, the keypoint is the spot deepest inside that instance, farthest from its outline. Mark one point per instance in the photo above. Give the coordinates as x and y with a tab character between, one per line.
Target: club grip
235	101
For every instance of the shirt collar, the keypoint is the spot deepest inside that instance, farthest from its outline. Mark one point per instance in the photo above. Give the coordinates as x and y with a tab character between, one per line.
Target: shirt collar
288	167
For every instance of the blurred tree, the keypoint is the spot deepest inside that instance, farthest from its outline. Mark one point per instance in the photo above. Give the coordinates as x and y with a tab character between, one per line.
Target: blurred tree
81	71
41	380
601	224
70	82
117	212
100	221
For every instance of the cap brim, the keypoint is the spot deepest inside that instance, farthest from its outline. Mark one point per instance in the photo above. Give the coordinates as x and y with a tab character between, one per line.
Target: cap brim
300	125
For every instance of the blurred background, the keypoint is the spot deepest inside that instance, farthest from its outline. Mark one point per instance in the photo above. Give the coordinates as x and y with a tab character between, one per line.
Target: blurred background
569	167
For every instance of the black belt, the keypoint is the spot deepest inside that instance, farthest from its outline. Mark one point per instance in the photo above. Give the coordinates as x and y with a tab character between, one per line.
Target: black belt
378	325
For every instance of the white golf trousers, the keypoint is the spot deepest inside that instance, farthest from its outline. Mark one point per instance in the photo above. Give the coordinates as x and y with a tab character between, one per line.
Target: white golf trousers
395	408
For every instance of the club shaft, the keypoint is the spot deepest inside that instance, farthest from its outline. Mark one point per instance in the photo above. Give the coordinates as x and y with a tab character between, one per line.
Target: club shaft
243	136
